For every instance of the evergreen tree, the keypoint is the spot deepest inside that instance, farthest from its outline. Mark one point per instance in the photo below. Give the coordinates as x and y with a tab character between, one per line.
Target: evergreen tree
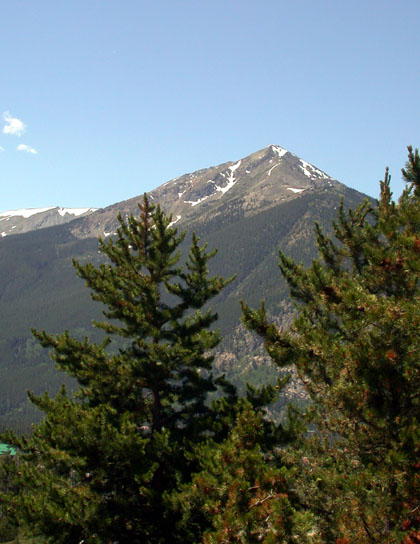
99	466
355	345
244	491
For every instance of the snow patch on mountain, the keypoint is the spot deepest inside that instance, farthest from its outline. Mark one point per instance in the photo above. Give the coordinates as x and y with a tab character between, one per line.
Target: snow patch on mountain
235	166
25	213
75	211
194	203
178	217
281	152
311	172
295	190
29	212
272	168
230	177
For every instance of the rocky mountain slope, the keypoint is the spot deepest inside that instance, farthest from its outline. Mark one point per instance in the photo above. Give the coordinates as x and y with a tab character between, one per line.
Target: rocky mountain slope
262	180
18	221
248	209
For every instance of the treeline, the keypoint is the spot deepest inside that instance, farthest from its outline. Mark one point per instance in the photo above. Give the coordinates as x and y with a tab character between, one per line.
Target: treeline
140	455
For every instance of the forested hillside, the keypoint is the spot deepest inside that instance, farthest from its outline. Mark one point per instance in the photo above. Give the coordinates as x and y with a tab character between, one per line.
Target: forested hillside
40	288
141	454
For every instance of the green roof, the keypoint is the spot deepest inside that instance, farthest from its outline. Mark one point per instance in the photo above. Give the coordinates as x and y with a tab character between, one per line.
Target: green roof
5	448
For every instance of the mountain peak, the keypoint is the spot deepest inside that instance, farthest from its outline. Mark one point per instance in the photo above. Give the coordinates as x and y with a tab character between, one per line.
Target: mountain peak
264	179
265	174
281	151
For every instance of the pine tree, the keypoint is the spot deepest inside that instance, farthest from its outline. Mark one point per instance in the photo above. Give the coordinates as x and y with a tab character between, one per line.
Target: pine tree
244	490
99	466
355	345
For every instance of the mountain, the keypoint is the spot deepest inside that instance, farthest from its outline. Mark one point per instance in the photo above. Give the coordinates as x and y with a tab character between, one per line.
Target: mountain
18	221
259	181
262	180
248	209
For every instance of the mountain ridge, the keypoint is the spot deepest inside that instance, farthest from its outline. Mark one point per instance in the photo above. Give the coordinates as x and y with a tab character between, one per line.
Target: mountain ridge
264	202
262	179
273	166
14	222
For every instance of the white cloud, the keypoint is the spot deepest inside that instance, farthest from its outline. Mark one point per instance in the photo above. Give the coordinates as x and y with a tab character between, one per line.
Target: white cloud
1	149
13	125
27	149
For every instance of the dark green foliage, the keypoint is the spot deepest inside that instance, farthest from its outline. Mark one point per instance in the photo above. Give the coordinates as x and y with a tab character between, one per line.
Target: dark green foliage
240	494
355	345
8	531
99	466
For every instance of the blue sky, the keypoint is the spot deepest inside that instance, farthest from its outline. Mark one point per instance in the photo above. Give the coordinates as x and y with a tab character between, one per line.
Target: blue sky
116	98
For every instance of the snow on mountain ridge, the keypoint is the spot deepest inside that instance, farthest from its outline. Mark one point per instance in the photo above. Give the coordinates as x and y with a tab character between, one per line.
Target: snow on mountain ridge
75	211
279	150
29	212
28	219
310	171
268	172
